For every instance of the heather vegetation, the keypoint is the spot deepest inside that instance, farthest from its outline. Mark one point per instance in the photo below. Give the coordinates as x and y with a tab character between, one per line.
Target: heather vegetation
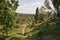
44	25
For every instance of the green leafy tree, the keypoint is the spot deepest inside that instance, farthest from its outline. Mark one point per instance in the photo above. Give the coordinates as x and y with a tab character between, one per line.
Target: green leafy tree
36	16
7	6
56	4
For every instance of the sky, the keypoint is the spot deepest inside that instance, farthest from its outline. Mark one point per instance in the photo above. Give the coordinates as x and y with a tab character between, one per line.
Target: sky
29	6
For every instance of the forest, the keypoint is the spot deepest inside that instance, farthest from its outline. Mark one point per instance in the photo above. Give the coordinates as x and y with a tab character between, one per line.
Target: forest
43	25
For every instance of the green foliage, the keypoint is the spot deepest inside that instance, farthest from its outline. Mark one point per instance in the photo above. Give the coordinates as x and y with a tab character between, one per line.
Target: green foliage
6	16
12	4
47	24
56	4
36	16
14	38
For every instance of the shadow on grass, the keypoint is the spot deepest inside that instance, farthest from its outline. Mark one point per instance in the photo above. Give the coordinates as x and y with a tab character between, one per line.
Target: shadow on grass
14	38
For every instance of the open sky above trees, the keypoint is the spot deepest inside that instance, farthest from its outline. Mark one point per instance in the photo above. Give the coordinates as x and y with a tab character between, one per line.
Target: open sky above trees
29	6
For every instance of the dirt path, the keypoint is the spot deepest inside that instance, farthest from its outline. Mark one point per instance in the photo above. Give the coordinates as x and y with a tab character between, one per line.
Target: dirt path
23	28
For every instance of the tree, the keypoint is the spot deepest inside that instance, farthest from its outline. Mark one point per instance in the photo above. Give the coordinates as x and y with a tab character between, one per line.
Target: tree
47	4
56	4
12	4
36	16
6	7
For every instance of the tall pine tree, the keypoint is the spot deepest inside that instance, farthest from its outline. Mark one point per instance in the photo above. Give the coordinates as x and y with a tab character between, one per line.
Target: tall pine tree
36	16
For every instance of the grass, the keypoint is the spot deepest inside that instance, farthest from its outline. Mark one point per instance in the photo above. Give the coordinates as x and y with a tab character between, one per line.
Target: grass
33	30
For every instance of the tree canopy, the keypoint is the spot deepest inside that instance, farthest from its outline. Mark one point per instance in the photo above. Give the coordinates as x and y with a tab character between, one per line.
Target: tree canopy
56	4
6	6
